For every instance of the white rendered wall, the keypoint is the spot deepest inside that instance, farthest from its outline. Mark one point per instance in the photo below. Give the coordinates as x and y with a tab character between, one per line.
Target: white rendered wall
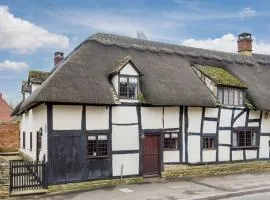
128	70
125	137
194	119
124	115
194	149
209	127
238	155
151	117
265	126
264	147
209	155
224	136
211	112
97	118
171	117
115	83
225	118
34	86
67	117
224	153
130	163
241	121
171	156
32	121
251	154
254	114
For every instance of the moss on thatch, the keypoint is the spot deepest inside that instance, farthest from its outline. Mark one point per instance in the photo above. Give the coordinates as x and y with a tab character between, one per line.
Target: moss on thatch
38	76
220	76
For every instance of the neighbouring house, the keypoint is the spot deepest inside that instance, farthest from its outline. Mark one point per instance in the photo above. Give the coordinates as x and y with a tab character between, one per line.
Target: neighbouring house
5	110
123	106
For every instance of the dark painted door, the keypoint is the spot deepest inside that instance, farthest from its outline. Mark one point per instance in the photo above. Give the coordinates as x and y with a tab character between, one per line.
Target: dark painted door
66	158
151	155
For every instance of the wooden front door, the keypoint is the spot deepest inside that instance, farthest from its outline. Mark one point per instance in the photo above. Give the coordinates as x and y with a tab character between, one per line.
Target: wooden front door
151	155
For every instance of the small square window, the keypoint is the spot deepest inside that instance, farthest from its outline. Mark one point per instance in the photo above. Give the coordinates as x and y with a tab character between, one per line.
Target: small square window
128	87
171	141
97	145
209	143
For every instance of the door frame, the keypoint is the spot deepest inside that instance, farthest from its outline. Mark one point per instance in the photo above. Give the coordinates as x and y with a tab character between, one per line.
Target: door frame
160	150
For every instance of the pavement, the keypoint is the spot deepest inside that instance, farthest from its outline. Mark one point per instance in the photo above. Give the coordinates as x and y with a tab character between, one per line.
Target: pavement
234	187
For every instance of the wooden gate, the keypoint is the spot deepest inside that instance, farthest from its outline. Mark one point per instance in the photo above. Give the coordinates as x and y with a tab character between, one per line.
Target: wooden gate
27	175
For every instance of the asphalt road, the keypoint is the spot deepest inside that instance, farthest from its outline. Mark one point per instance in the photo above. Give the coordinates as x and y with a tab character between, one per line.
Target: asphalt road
257	185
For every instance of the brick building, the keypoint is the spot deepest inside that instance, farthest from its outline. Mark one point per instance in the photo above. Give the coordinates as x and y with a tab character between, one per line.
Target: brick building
5	110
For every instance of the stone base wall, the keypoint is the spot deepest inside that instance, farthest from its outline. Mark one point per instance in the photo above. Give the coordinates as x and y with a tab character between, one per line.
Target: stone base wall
173	171
9	137
4	177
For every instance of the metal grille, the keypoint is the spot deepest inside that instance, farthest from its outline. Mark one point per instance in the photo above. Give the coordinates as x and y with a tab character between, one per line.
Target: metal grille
208	142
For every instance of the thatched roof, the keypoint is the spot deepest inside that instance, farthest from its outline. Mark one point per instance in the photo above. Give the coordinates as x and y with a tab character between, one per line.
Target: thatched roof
168	77
220	76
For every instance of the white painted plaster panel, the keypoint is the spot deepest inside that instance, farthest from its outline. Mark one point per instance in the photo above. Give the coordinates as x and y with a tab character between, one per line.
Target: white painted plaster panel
184	139
209	126
115	83
225	118
223	153
224	137
241	121
265	126
128	70
194	119
32	121
251	154
34	86
171	156
125	137
238	155
211	112
124	115
253	124
171	117
193	149
151	117
209	155
264	146
67	117
254	114
130	163
97	117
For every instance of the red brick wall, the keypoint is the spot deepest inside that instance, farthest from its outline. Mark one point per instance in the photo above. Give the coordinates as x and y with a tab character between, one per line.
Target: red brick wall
9	136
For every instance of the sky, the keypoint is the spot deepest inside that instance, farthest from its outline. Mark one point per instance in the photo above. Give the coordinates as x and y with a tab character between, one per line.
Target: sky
32	30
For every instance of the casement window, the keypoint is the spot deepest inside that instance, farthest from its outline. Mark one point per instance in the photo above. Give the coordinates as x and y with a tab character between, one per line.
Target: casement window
128	87
209	142
97	145
39	139
244	138
171	141
31	141
23	141
231	96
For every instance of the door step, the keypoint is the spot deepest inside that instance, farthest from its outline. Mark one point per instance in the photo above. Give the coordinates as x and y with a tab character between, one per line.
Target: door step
28	192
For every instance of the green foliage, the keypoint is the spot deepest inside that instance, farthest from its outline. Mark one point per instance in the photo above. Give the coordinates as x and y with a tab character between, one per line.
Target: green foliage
141	98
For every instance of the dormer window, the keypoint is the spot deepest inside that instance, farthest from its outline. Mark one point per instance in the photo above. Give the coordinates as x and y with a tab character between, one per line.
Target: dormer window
125	79
128	87
228	89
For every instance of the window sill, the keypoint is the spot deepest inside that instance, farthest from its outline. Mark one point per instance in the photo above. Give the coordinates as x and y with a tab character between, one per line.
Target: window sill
97	157
246	147
170	149
210	149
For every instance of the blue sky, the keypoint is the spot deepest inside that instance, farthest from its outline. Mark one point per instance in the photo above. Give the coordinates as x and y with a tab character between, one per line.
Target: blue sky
32	30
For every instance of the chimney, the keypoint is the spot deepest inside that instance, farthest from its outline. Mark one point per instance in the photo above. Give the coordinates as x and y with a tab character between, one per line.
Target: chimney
245	44
58	57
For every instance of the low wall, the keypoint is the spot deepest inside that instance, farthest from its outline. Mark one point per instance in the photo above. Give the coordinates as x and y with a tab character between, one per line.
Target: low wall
173	171
4	177
9	136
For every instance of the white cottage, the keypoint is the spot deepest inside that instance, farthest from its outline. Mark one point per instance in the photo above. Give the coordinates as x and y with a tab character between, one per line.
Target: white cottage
123	106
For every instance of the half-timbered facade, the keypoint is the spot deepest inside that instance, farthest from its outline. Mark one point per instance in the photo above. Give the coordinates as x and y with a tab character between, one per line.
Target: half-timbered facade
118	106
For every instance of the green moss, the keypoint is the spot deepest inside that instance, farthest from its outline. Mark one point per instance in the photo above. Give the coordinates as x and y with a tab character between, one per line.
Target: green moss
220	76
42	75
249	105
141	98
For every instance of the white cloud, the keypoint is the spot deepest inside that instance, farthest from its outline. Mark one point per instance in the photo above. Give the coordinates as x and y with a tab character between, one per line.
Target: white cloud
247	12
23	36
227	43
13	65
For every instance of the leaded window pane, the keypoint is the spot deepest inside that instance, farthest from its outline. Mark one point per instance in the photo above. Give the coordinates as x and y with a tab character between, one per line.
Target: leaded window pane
226	96
231	97
129	87
171	141
236	97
